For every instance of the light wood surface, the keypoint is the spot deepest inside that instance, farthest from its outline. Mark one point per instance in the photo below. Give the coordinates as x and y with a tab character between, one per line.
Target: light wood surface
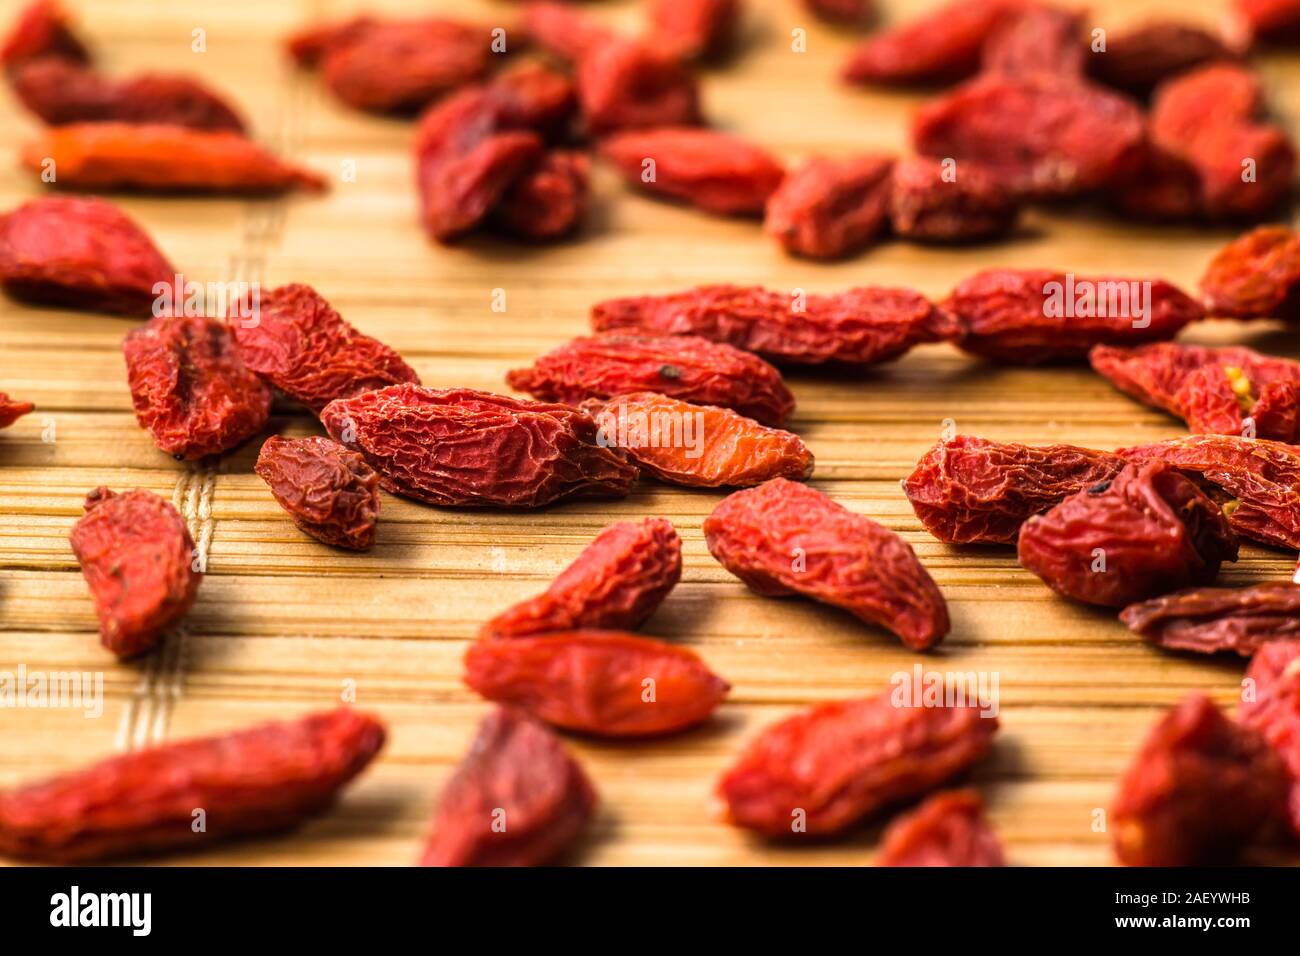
283	624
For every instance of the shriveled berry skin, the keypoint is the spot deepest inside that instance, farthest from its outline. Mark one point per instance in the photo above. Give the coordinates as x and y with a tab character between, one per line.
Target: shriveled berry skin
1256	481
518	768
137	557
80	252
190	388
614	584
1275	710
460	193
550	201
61	91
267	778
1257	275
841	762
714	171
1036	39
699	446
1214	620
969	490
1199	790
1215	390
948	829
1043	136
1144	533
785	538
165	158
859	327
1139	59
605	683
307	350
927	204
11	410
41	29
694	29
630	84
686	367
940	46
464	448
330	492
1032	316
829	208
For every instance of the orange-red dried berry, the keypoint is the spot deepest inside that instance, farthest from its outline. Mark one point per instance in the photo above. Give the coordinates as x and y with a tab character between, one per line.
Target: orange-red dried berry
939	46
138	559
694	29
848	12
1213	620
461	447
11	410
563	30
629	84
80	252
550	200
605	683
190	388
1274	710
686	367
829	208
1139	59
862	326
933	200
260	780
303	347
1271	21
614	584
1199	790
158	157
517	799
1032	316
824	769
785	538
41	30
699	446
1257	275
717	172
1036	39
948	829
329	491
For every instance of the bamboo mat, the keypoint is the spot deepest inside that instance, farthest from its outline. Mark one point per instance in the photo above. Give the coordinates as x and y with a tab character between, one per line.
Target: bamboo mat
284	625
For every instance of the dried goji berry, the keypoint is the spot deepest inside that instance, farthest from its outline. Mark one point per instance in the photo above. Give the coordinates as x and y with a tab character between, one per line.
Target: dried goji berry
862	326
1271	21
934	200
385	66
948	829
517	799
1200	789
1211	620
157	157
80	252
1257	275
1160	187
1042	135
530	96
267	778
563	30
1146	532
461	447
785	538
1036	39
1257	482
138	558
1209	119
550	200
11	410
1031	316
606	683
296	341
1138	59
614	584
41	30
630	84
330	492
687	367
942	45
1274	709
699	446
851	12
694	29
61	91
970	490
826	768
1214	390
714	171
308	44
828	208
190	388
